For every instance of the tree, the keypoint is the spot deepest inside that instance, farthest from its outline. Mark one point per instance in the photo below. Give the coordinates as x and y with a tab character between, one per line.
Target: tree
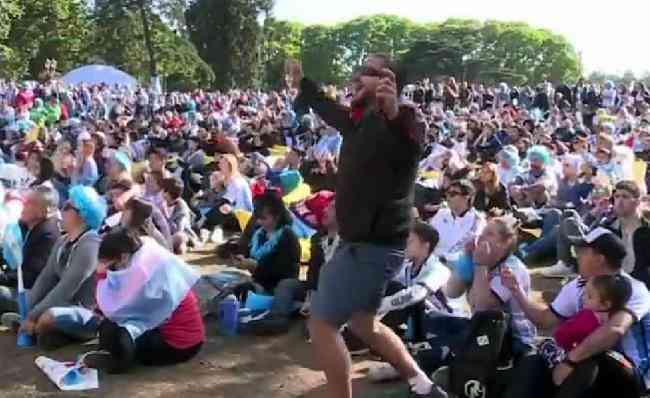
119	39
321	54
228	37
492	51
282	41
10	10
44	29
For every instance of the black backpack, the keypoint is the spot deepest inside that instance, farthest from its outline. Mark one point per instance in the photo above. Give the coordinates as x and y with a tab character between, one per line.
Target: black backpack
473	372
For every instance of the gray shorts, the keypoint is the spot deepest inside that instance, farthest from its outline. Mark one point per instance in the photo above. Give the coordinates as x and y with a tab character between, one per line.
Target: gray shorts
354	281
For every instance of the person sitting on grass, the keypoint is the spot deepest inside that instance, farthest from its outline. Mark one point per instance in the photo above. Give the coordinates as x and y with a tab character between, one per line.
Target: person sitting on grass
179	215
274	251
62	300
151	315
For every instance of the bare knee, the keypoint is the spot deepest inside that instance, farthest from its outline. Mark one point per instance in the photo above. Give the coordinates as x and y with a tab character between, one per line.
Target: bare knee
46	323
364	325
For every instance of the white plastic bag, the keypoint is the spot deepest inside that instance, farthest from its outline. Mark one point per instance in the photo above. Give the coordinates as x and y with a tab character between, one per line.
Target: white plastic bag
68	376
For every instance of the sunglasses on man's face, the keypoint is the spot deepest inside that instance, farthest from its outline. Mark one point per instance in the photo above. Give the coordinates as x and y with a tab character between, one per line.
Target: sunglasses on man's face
69	206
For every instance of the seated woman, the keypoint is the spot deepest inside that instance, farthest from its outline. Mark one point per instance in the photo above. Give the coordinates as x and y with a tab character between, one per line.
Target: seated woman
237	195
151	313
274	251
62	300
480	277
137	218
490	193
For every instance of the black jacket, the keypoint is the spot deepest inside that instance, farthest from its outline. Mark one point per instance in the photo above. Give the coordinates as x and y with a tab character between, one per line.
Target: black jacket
377	169
36	250
282	263
640	241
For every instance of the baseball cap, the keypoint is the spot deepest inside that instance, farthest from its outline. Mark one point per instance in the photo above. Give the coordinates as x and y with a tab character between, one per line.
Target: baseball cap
604	242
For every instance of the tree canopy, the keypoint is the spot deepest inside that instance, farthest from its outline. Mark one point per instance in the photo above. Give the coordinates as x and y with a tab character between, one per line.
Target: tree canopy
238	43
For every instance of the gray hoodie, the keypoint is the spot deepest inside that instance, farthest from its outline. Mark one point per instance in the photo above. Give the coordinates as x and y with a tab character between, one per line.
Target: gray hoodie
67	283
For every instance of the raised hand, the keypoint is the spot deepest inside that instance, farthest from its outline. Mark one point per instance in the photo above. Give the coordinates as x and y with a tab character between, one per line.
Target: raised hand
293	74
508	280
386	94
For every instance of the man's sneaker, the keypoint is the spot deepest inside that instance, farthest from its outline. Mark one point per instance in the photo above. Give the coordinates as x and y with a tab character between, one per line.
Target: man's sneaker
11	320
355	345
100	360
441	377
436	392
217	236
204	235
559	270
383	372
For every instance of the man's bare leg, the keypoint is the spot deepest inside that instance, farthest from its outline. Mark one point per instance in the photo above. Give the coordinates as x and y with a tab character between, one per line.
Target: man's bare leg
388	345
333	357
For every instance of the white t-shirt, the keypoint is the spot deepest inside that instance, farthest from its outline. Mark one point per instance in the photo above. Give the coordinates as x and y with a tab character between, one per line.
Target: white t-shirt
570	301
456	231
433	275
238	192
522	328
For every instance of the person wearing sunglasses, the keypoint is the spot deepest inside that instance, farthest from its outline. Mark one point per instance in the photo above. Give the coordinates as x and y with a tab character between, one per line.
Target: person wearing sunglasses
62	300
459	222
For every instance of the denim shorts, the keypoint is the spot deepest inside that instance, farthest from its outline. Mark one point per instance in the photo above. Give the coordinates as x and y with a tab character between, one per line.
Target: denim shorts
354	281
77	322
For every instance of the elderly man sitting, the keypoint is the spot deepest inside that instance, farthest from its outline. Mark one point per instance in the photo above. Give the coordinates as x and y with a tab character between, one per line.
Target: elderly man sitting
40	227
62	300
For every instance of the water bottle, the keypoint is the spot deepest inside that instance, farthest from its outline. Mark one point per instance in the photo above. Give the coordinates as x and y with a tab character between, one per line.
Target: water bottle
229	315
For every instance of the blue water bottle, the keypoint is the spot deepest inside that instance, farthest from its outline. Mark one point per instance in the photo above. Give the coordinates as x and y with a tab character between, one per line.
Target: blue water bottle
229	315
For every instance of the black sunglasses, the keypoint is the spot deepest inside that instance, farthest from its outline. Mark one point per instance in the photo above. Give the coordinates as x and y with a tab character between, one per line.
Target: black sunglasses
70	206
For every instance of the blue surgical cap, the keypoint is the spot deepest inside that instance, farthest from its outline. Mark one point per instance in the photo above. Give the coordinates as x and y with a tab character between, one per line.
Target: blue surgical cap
91	207
123	160
540	152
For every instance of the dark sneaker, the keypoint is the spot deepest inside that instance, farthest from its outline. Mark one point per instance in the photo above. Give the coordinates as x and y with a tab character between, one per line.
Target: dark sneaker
53	341
355	345
100	360
269	326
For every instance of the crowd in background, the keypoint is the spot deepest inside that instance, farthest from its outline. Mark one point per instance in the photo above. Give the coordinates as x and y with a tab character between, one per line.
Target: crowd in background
117	178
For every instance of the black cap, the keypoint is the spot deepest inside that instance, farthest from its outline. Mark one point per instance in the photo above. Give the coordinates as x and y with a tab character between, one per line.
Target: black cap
604	242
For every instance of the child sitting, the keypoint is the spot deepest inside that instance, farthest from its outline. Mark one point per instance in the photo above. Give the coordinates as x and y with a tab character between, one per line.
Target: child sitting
178	215
604	295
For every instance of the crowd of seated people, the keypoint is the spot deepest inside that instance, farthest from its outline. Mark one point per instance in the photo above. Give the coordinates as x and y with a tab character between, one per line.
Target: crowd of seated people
506	184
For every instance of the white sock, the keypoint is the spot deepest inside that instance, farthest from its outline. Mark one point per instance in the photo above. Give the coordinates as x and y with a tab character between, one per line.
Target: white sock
420	384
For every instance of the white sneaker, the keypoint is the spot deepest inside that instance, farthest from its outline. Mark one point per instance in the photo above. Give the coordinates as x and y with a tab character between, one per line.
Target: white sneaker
217	236
383	372
559	270
205	235
11	320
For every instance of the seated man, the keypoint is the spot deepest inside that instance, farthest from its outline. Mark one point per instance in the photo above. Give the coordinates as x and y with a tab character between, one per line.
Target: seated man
459	222
40	231
593	368
62	300
534	187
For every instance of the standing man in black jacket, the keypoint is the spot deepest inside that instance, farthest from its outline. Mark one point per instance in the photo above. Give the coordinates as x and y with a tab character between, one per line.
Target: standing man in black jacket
382	143
40	230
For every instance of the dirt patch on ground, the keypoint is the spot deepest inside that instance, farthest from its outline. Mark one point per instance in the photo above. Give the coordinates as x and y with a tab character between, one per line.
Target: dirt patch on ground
243	366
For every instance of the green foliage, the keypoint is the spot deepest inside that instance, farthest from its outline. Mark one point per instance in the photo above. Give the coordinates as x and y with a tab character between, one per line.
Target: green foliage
119	40
228	35
43	29
224	43
493	51
282	41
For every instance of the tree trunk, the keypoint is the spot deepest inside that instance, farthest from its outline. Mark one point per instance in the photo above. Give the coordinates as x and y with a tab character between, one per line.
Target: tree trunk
147	39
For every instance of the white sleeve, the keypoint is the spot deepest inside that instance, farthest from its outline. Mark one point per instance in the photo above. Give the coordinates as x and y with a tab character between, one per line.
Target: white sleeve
639	303
402	299
567	302
502	292
434	276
